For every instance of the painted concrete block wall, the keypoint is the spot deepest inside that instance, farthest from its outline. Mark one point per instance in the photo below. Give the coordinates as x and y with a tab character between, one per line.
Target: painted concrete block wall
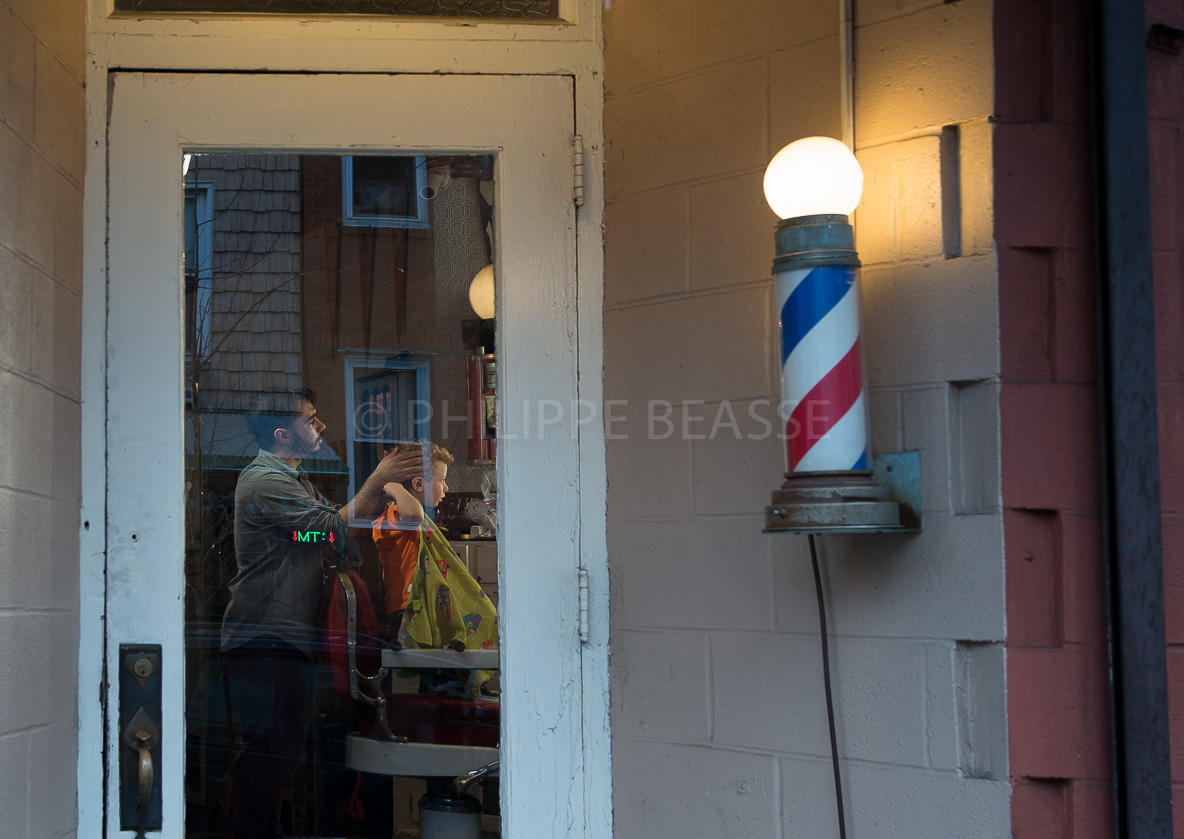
41	167
719	719
1056	653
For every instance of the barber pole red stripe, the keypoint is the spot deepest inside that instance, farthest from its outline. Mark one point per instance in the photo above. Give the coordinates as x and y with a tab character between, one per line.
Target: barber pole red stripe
825	404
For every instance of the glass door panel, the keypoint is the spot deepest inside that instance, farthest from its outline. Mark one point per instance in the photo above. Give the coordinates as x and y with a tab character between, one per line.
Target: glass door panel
330	332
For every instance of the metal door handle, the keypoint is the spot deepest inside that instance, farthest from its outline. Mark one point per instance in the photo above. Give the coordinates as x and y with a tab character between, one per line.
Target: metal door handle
144	746
142	735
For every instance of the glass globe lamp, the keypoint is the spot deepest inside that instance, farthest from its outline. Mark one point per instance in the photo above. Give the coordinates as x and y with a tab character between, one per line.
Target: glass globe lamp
814	176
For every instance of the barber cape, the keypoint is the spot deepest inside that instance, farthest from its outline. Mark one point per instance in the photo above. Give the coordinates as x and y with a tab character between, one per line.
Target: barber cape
446	608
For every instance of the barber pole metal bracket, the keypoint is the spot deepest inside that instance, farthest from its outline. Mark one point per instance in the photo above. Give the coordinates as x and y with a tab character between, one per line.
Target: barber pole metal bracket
885	500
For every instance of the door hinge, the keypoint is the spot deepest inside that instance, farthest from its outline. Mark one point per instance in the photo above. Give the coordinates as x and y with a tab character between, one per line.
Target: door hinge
583	606
577	170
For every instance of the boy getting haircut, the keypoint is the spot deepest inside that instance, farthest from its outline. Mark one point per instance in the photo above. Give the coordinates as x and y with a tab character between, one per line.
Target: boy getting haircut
396	532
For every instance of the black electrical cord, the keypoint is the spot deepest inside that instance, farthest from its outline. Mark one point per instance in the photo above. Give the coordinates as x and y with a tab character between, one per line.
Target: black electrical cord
830	705
1095	25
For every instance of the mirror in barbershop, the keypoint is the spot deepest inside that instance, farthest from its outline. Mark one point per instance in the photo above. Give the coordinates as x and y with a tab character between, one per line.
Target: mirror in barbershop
341	564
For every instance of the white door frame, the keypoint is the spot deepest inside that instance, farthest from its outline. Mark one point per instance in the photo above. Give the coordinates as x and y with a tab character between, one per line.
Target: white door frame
571	735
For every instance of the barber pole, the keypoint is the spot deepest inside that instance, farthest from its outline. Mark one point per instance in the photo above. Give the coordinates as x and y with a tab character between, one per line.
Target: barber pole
813	185
822	369
828	481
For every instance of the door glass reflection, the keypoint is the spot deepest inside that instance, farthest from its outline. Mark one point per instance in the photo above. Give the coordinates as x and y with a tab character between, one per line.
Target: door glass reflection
341	561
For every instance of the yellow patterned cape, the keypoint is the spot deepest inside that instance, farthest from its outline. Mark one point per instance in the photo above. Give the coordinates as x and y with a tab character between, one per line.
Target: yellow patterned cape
446	606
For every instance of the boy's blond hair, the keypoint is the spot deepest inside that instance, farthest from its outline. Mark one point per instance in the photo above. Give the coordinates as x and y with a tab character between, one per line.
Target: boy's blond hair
438	452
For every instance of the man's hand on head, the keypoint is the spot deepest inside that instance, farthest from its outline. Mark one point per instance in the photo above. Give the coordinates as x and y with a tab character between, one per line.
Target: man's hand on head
398	468
393	468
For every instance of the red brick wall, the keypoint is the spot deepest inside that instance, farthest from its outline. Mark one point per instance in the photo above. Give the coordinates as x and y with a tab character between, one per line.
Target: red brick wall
1057	667
375	288
352	277
1165	83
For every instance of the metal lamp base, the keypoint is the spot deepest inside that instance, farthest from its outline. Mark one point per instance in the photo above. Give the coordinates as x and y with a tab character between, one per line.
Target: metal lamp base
833	502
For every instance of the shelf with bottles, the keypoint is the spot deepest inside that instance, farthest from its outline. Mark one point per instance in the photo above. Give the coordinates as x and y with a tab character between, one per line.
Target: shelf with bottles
481	372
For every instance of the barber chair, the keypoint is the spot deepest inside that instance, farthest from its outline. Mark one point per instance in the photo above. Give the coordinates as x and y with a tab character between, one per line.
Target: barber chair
449	741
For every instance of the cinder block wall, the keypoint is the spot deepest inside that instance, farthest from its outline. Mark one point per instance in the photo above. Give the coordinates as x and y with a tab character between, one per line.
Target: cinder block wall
719	719
41	165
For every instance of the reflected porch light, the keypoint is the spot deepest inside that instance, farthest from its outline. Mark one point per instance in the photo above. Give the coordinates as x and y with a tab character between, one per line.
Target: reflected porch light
481	296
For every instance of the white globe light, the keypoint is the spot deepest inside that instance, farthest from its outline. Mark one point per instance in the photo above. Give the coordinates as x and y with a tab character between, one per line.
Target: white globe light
812	176
481	293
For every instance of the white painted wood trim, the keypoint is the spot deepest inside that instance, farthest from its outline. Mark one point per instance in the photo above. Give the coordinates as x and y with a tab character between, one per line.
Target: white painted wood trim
579	21
593	484
384	55
589	797
406	47
363	45
92	536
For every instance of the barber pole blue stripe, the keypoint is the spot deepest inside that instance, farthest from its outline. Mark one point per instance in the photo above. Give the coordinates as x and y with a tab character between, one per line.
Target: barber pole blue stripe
810	301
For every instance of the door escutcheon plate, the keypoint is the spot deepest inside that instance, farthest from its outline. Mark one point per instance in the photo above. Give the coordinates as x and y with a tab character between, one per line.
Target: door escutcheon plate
139	714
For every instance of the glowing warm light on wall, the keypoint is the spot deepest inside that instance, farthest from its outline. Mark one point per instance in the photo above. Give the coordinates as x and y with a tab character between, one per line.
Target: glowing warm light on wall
481	293
812	176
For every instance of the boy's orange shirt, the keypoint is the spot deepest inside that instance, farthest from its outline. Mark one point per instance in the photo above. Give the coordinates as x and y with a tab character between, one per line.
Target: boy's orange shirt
398	549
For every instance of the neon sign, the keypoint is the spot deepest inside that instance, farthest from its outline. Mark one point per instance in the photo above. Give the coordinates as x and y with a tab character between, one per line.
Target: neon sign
311	536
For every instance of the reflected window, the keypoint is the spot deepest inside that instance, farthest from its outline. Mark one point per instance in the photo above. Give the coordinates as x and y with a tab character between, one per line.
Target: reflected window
388	400
199	257
384	191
